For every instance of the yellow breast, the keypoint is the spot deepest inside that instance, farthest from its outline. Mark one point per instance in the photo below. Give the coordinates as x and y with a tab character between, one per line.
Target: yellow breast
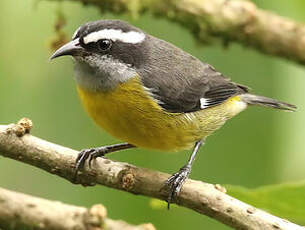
130	114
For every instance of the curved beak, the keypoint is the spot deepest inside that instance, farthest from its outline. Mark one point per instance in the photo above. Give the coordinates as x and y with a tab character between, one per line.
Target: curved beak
71	48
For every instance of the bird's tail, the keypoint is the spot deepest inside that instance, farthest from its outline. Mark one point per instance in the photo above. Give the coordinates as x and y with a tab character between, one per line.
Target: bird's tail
268	102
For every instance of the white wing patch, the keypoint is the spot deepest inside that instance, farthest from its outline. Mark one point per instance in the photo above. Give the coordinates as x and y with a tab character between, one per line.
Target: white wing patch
112	34
236	107
204	103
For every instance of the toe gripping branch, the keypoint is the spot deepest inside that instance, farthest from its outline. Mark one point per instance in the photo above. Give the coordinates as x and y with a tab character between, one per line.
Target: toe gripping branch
176	181
93	153
173	183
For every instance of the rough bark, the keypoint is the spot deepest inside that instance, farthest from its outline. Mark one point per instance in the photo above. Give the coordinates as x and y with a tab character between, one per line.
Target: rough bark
201	197
20	211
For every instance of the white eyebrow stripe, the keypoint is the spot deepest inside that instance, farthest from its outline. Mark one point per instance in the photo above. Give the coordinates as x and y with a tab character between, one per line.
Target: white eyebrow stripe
112	34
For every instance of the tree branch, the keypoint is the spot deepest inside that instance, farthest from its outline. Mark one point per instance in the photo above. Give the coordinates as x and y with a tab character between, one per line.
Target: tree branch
20	211
201	197
231	20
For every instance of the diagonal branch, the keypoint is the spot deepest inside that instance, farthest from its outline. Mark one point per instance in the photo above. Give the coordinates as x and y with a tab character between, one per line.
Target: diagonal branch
20	211
231	20
201	197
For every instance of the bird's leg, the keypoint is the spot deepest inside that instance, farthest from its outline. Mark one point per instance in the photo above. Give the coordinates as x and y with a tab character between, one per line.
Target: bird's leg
175	182
90	154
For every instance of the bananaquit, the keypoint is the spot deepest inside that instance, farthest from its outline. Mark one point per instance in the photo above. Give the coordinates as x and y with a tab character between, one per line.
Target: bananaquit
151	94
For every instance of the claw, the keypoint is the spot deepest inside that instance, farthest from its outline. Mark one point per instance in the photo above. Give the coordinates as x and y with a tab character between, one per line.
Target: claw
175	183
87	154
80	161
90	160
91	154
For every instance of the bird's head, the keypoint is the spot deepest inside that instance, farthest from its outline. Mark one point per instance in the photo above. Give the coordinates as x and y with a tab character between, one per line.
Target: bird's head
106	52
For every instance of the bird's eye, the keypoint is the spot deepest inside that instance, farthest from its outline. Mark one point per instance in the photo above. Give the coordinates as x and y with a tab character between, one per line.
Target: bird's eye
104	44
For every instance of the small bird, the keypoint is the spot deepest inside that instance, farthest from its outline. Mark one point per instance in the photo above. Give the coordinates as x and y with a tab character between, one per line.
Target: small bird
150	93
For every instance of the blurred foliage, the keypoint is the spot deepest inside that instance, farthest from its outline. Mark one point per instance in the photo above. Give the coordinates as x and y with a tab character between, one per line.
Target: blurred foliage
282	200
285	200
258	147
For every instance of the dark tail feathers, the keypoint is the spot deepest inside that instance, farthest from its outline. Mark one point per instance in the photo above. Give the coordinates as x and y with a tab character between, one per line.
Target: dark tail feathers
268	102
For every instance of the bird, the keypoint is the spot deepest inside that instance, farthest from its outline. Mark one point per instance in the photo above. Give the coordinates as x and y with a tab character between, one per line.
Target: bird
151	94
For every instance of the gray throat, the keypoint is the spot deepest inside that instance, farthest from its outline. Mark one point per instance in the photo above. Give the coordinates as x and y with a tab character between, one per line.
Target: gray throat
101	73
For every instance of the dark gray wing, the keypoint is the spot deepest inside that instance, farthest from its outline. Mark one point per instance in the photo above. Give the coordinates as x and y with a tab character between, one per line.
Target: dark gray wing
181	83
198	93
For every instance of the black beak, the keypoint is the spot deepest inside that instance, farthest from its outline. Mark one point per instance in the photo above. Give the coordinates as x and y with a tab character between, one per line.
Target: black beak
72	48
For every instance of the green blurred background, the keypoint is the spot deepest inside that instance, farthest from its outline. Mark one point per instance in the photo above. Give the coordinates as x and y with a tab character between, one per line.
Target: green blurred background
260	146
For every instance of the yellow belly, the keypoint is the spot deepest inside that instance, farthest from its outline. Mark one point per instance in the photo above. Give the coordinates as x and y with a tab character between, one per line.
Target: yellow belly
130	114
